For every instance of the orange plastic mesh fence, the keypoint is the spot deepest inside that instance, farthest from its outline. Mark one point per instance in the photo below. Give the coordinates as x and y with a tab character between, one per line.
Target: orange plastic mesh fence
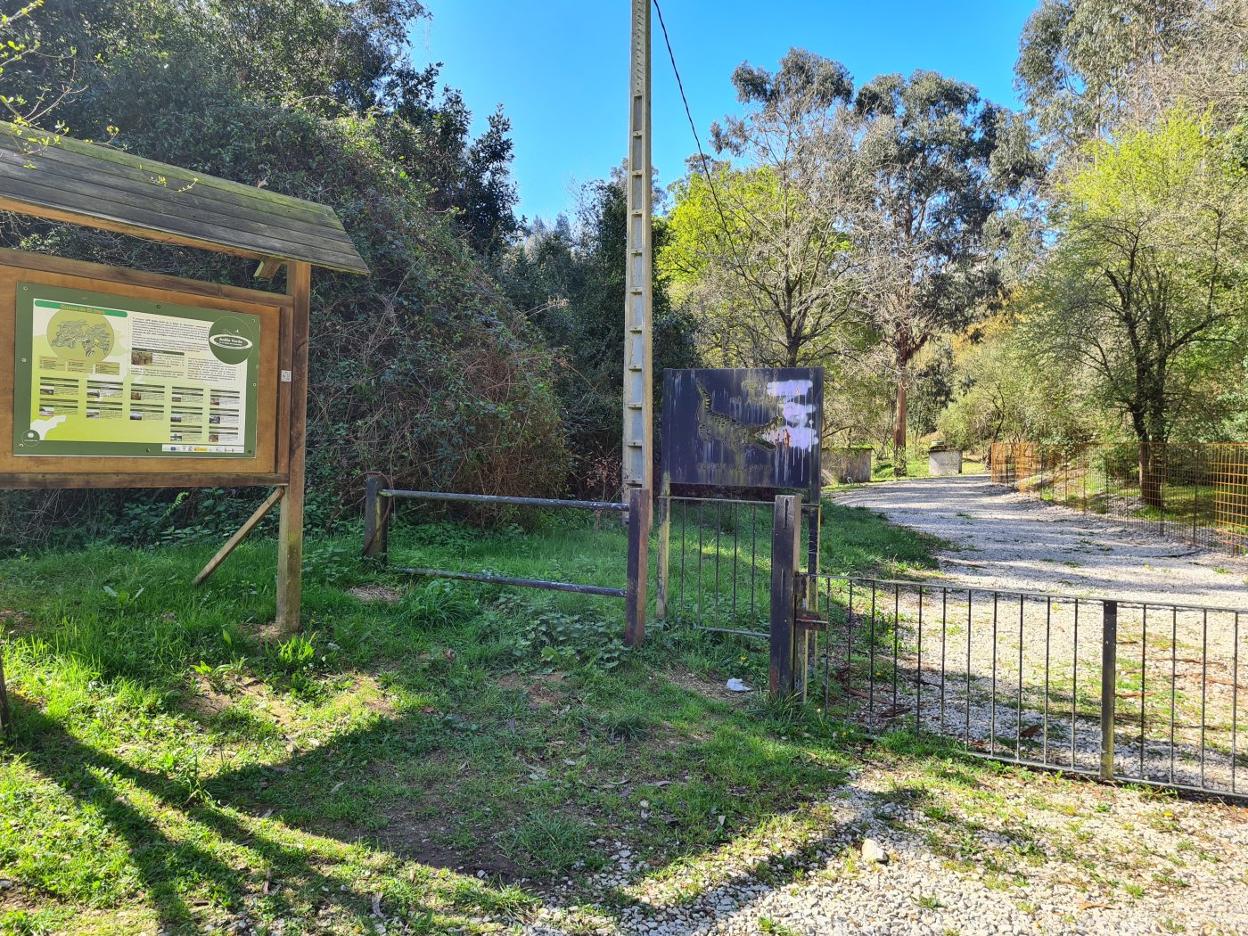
1196	492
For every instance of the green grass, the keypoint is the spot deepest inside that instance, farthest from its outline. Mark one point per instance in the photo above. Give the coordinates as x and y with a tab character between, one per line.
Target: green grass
442	757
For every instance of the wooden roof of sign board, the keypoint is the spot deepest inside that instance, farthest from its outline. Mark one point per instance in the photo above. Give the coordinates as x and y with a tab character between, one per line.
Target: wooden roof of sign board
63	179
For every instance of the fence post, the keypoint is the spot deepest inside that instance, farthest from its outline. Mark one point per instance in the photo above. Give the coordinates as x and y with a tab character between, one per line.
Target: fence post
664	548
638	566
6	717
786	531
376	519
1109	681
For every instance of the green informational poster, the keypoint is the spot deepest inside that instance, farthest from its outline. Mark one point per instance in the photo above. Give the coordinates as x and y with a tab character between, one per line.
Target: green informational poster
99	374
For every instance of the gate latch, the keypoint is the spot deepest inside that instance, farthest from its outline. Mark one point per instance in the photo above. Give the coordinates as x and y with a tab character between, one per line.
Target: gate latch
809	621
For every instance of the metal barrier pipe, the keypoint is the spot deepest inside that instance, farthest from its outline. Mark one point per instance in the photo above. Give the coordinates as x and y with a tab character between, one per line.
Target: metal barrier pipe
501	499
491	579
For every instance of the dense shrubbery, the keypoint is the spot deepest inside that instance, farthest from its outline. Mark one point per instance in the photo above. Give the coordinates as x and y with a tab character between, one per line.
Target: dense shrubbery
425	370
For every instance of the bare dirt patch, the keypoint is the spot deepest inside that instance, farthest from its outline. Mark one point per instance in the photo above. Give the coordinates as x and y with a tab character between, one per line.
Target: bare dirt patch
382	594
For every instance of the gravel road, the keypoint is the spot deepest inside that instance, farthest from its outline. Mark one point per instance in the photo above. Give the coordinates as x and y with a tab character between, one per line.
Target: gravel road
1003	540
967	854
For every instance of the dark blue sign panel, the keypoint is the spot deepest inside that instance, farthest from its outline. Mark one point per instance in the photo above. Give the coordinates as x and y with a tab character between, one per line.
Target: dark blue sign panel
744	428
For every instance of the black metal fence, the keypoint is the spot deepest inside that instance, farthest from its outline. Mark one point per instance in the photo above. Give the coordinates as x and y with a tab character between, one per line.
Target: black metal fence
1123	690
714	570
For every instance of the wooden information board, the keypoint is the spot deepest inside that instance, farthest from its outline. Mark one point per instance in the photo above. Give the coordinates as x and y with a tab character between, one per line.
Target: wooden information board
167	382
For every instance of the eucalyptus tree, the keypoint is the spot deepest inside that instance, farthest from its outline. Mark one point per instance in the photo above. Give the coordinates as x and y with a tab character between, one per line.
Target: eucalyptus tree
944	169
1089	67
760	243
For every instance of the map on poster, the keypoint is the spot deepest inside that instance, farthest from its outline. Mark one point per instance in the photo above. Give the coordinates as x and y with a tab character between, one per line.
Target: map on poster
102	375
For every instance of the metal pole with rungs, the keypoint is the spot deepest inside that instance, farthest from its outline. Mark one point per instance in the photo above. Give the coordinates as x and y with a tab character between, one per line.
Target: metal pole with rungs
638	453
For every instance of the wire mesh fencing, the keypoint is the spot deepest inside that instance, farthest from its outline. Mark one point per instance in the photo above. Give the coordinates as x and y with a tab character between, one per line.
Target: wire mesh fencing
1196	492
1122	690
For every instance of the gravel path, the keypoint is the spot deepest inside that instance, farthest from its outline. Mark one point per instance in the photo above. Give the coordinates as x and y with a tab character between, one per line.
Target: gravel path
1003	677
1010	541
966	854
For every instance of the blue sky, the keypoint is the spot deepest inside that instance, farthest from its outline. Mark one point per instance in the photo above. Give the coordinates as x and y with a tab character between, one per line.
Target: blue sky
560	67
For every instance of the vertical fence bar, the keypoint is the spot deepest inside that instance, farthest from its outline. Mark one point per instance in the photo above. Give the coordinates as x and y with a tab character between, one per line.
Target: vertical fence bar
1234	699
896	641
1204	685
1018	737
871	661
661	580
736	552
701	559
944	627
1143	681
918	672
970	600
1074	686
992	705
1109	680
376	519
753	563
1048	630
785	537
684	549
849	641
719	529
1174	672
827	656
638	566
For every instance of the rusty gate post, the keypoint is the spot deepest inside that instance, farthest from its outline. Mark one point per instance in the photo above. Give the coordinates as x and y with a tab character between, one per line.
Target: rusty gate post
786	531
1109	681
376	519
638	566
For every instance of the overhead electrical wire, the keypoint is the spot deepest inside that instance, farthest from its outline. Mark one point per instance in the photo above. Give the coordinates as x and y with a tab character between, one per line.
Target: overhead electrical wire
680	85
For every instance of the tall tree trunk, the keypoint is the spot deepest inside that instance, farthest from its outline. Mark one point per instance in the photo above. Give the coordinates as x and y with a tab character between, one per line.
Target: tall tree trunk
1152	471
1150	462
899	432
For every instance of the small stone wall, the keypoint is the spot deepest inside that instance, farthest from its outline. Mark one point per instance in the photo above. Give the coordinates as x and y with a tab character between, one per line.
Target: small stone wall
941	463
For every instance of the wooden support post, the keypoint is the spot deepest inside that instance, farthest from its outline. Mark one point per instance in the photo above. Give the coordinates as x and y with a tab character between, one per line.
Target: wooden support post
376	519
239	535
638	567
6	716
290	532
1109	681
786	532
664	548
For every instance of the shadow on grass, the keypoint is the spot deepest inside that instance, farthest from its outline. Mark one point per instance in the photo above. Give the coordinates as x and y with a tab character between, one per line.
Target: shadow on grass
170	869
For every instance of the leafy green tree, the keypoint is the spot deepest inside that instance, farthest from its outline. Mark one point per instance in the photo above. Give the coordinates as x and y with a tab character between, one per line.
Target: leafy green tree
1082	63
425	370
571	279
1004	393
1144	290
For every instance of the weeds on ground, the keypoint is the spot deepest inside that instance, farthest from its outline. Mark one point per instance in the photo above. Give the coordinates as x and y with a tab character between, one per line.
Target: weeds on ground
179	765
